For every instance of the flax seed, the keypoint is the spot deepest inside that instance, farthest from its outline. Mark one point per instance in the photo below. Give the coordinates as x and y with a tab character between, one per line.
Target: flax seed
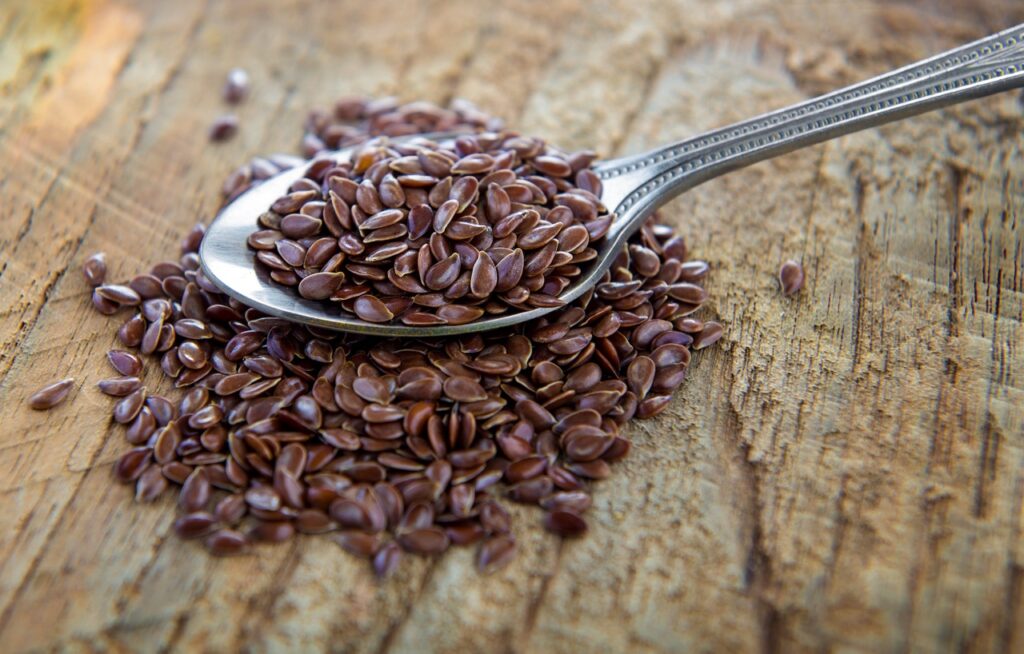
412	445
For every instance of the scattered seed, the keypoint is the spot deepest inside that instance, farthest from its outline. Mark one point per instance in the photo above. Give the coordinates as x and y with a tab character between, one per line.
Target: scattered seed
125	363
564	523
272	532
151	485
120	387
224	127
231	509
710	334
50	396
428	540
195	492
227	542
791	277
495	553
358	543
132	464
194	525
94	269
119	294
236	87
386	560
129	407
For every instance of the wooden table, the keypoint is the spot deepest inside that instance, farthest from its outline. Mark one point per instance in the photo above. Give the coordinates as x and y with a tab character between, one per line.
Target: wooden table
843	473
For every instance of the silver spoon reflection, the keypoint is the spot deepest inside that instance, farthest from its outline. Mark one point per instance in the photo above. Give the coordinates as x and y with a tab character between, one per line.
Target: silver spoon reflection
635	186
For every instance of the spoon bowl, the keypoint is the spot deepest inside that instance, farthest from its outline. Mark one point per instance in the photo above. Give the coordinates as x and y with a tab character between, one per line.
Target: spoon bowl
230	264
635	186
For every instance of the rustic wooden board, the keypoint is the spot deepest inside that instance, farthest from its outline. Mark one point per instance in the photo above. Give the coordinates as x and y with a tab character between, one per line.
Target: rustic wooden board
843	473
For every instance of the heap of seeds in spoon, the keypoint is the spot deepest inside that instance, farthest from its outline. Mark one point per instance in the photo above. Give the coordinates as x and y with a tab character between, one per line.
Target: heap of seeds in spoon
392	446
432	234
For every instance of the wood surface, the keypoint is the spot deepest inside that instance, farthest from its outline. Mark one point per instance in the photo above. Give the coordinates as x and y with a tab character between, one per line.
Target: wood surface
844	473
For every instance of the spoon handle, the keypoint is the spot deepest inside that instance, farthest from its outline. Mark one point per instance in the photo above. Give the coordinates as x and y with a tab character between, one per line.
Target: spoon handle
636	185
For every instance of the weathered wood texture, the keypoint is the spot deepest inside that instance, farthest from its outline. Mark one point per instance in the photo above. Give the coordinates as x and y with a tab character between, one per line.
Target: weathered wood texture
843	473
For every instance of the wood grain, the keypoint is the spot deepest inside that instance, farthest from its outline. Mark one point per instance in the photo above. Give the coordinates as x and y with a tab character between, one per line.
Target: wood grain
843	473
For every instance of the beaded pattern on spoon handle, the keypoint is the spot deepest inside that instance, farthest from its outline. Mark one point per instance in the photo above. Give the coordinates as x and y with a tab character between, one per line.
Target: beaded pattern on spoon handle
942	78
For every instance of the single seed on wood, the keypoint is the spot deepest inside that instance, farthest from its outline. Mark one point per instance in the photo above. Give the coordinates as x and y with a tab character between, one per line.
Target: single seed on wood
358	543
132	464
711	333
94	269
427	540
195	492
227	542
223	128
150	485
564	523
386	560
236	87
194	525
495	553
119	294
51	395
230	509
791	277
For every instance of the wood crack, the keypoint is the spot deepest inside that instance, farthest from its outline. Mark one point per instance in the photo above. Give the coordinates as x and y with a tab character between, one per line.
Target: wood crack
392	631
47	542
1009	629
956	217
533	608
29	325
175	72
136	584
857	306
987	465
38	204
758	566
840	531
180	623
263	602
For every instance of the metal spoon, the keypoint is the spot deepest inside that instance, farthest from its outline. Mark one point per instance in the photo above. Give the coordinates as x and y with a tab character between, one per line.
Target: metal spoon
637	185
